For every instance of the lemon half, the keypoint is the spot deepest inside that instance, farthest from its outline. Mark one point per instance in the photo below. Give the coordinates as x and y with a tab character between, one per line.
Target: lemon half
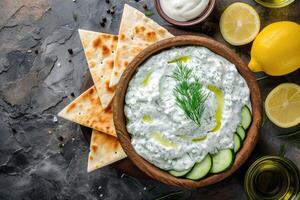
282	105
239	24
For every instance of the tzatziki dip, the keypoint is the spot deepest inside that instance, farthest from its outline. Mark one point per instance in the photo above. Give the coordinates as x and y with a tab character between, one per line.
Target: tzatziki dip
183	10
173	131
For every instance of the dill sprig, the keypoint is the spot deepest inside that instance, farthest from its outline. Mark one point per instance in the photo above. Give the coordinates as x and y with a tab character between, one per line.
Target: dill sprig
188	93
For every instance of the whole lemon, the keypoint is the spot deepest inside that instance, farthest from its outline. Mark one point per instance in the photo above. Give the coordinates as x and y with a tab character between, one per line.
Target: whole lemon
276	49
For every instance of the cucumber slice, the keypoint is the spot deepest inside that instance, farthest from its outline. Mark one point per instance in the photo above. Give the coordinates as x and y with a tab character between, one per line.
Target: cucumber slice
179	173
237	143
222	161
200	169
241	132
246	117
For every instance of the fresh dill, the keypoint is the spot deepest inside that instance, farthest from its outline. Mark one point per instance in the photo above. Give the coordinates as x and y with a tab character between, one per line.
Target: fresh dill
188	92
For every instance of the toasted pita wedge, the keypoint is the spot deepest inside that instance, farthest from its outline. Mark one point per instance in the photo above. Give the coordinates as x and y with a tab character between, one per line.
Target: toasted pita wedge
104	150
136	33
87	111
99	51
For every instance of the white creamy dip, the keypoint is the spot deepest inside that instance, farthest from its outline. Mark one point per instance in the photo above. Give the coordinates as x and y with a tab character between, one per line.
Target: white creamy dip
181	10
160	131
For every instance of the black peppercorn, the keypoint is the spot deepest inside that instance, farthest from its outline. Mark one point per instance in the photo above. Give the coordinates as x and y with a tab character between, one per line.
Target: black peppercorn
14	130
108	11
104	19
102	24
36	51
145	6
60	138
107	1
70	51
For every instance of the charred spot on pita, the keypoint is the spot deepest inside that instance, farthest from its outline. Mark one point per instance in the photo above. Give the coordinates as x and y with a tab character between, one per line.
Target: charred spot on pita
122	37
126	63
71	107
139	29
151	36
94	148
105	50
97	42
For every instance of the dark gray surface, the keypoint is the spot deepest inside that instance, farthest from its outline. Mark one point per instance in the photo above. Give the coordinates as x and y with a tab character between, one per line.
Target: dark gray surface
35	163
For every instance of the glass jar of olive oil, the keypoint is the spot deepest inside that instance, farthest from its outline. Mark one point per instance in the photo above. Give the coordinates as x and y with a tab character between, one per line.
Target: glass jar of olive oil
272	178
274	3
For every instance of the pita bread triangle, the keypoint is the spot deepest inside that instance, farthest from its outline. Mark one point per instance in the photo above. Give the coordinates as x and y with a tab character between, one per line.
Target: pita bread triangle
104	150
87	111
99	51
136	33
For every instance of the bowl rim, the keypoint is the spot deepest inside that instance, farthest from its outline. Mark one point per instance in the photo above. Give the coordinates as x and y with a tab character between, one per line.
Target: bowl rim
192	22
120	122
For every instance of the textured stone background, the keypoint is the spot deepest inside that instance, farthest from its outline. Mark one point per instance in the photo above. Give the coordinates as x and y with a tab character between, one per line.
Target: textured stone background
43	157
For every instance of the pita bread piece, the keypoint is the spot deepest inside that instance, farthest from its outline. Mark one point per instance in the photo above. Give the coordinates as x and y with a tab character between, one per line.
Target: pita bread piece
99	51
104	150
87	111
136	33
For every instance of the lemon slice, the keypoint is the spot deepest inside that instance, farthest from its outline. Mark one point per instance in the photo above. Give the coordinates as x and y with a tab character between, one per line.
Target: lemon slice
239	24
282	105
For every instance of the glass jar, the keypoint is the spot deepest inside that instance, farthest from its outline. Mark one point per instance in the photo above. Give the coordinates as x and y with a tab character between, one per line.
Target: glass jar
272	178
274	3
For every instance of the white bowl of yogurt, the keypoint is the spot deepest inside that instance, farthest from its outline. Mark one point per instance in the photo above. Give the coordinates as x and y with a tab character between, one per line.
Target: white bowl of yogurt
184	13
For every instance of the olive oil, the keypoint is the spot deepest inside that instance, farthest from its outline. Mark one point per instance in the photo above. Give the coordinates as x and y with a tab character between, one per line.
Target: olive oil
162	141
147	78
147	119
220	99
272	178
274	3
181	58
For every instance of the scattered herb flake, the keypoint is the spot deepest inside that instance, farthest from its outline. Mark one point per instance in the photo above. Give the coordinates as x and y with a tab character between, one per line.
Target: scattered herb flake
75	16
148	13
262	78
265	118
172	195
281	151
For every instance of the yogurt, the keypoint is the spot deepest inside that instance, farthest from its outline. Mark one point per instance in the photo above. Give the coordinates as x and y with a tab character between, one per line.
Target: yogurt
181	10
160	131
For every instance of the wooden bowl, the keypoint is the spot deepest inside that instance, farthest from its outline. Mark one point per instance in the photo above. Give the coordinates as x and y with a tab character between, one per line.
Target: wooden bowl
192	22
120	122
